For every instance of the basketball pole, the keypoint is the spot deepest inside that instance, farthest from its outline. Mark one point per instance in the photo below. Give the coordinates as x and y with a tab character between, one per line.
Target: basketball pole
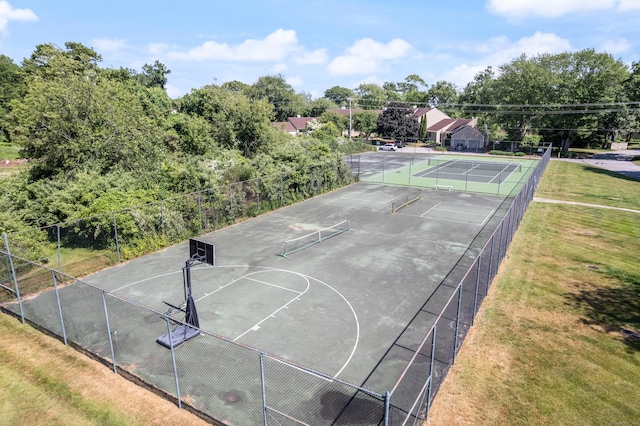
190	310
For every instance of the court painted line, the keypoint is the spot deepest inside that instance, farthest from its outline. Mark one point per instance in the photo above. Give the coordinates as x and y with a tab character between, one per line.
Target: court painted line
489	216
355	316
274	285
422	215
272	315
463	212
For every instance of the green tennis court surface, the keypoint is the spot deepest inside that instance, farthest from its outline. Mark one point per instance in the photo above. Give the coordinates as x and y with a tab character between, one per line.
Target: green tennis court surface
344	306
484	174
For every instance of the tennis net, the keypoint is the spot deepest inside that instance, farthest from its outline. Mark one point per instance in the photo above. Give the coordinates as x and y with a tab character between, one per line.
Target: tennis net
477	165
405	200
300	243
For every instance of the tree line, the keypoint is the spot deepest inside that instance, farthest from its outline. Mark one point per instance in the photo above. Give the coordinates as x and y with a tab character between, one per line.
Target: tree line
99	139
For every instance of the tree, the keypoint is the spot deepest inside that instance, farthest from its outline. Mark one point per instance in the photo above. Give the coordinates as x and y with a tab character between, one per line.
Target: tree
422	132
397	121
235	86
583	77
316	107
340	121
12	86
339	95
411	83
326	132
274	89
371	96
392	92
71	116
236	121
365	122
154	75
442	92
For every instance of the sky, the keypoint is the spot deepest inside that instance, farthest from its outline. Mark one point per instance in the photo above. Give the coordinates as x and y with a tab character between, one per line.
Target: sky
318	44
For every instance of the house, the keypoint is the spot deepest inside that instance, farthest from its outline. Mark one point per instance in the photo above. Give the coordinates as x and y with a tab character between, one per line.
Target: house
467	138
295	126
285	126
440	127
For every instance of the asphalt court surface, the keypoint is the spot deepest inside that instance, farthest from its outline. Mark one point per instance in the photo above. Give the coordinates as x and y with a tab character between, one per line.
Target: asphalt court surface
336	306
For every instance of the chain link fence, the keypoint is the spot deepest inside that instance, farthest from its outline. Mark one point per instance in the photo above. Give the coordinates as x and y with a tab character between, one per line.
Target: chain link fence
228	383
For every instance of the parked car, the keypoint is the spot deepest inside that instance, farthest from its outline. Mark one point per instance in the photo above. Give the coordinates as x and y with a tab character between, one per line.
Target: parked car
400	144
389	146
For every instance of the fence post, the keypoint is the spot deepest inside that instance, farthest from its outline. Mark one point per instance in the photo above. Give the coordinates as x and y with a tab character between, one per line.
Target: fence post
431	363
387	397
475	295
55	289
115	230
173	361
264	394
15	277
281	192
59	264
162	216
258	194
106	317
200	211
457	329
489	274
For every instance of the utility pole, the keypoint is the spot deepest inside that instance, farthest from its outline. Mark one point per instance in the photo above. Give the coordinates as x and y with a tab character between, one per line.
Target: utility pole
349	99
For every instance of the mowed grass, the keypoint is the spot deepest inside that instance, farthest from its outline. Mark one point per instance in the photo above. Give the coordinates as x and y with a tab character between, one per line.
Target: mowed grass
548	346
43	382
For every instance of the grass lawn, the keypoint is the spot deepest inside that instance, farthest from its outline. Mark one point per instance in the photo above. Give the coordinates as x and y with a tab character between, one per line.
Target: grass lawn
8	152
43	382
547	348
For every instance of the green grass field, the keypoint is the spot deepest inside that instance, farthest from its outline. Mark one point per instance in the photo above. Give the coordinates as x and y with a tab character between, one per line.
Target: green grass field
547	348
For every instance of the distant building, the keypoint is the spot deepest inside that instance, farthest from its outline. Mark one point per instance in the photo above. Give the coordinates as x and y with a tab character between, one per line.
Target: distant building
440	127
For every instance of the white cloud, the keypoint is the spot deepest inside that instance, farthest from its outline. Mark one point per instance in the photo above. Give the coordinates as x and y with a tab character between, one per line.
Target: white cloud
109	45
505	51
318	56
548	8
463	74
7	13
616	47
367	55
276	47
295	81
500	50
626	5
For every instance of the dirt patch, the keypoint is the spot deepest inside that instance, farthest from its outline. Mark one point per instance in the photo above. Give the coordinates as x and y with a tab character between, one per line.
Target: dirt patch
12	163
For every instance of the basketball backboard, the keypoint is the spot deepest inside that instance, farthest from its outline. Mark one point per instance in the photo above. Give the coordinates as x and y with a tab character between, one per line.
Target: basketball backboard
202	251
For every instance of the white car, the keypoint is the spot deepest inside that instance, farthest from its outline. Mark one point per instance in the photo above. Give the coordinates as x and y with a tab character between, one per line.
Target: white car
388	147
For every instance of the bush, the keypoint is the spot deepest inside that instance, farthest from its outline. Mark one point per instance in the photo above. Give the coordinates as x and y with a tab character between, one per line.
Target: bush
497	152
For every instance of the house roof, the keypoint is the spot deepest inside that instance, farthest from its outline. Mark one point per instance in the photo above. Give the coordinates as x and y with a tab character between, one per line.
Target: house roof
467	131
299	123
284	125
448	124
419	112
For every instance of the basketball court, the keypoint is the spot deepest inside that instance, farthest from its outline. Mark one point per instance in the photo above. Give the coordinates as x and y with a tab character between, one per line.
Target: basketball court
330	284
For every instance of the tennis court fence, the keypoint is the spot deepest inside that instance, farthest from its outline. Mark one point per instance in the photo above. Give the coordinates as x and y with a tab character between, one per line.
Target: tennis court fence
228	383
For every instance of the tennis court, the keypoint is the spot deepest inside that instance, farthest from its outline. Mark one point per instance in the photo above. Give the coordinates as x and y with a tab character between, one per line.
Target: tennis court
490	175
339	305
